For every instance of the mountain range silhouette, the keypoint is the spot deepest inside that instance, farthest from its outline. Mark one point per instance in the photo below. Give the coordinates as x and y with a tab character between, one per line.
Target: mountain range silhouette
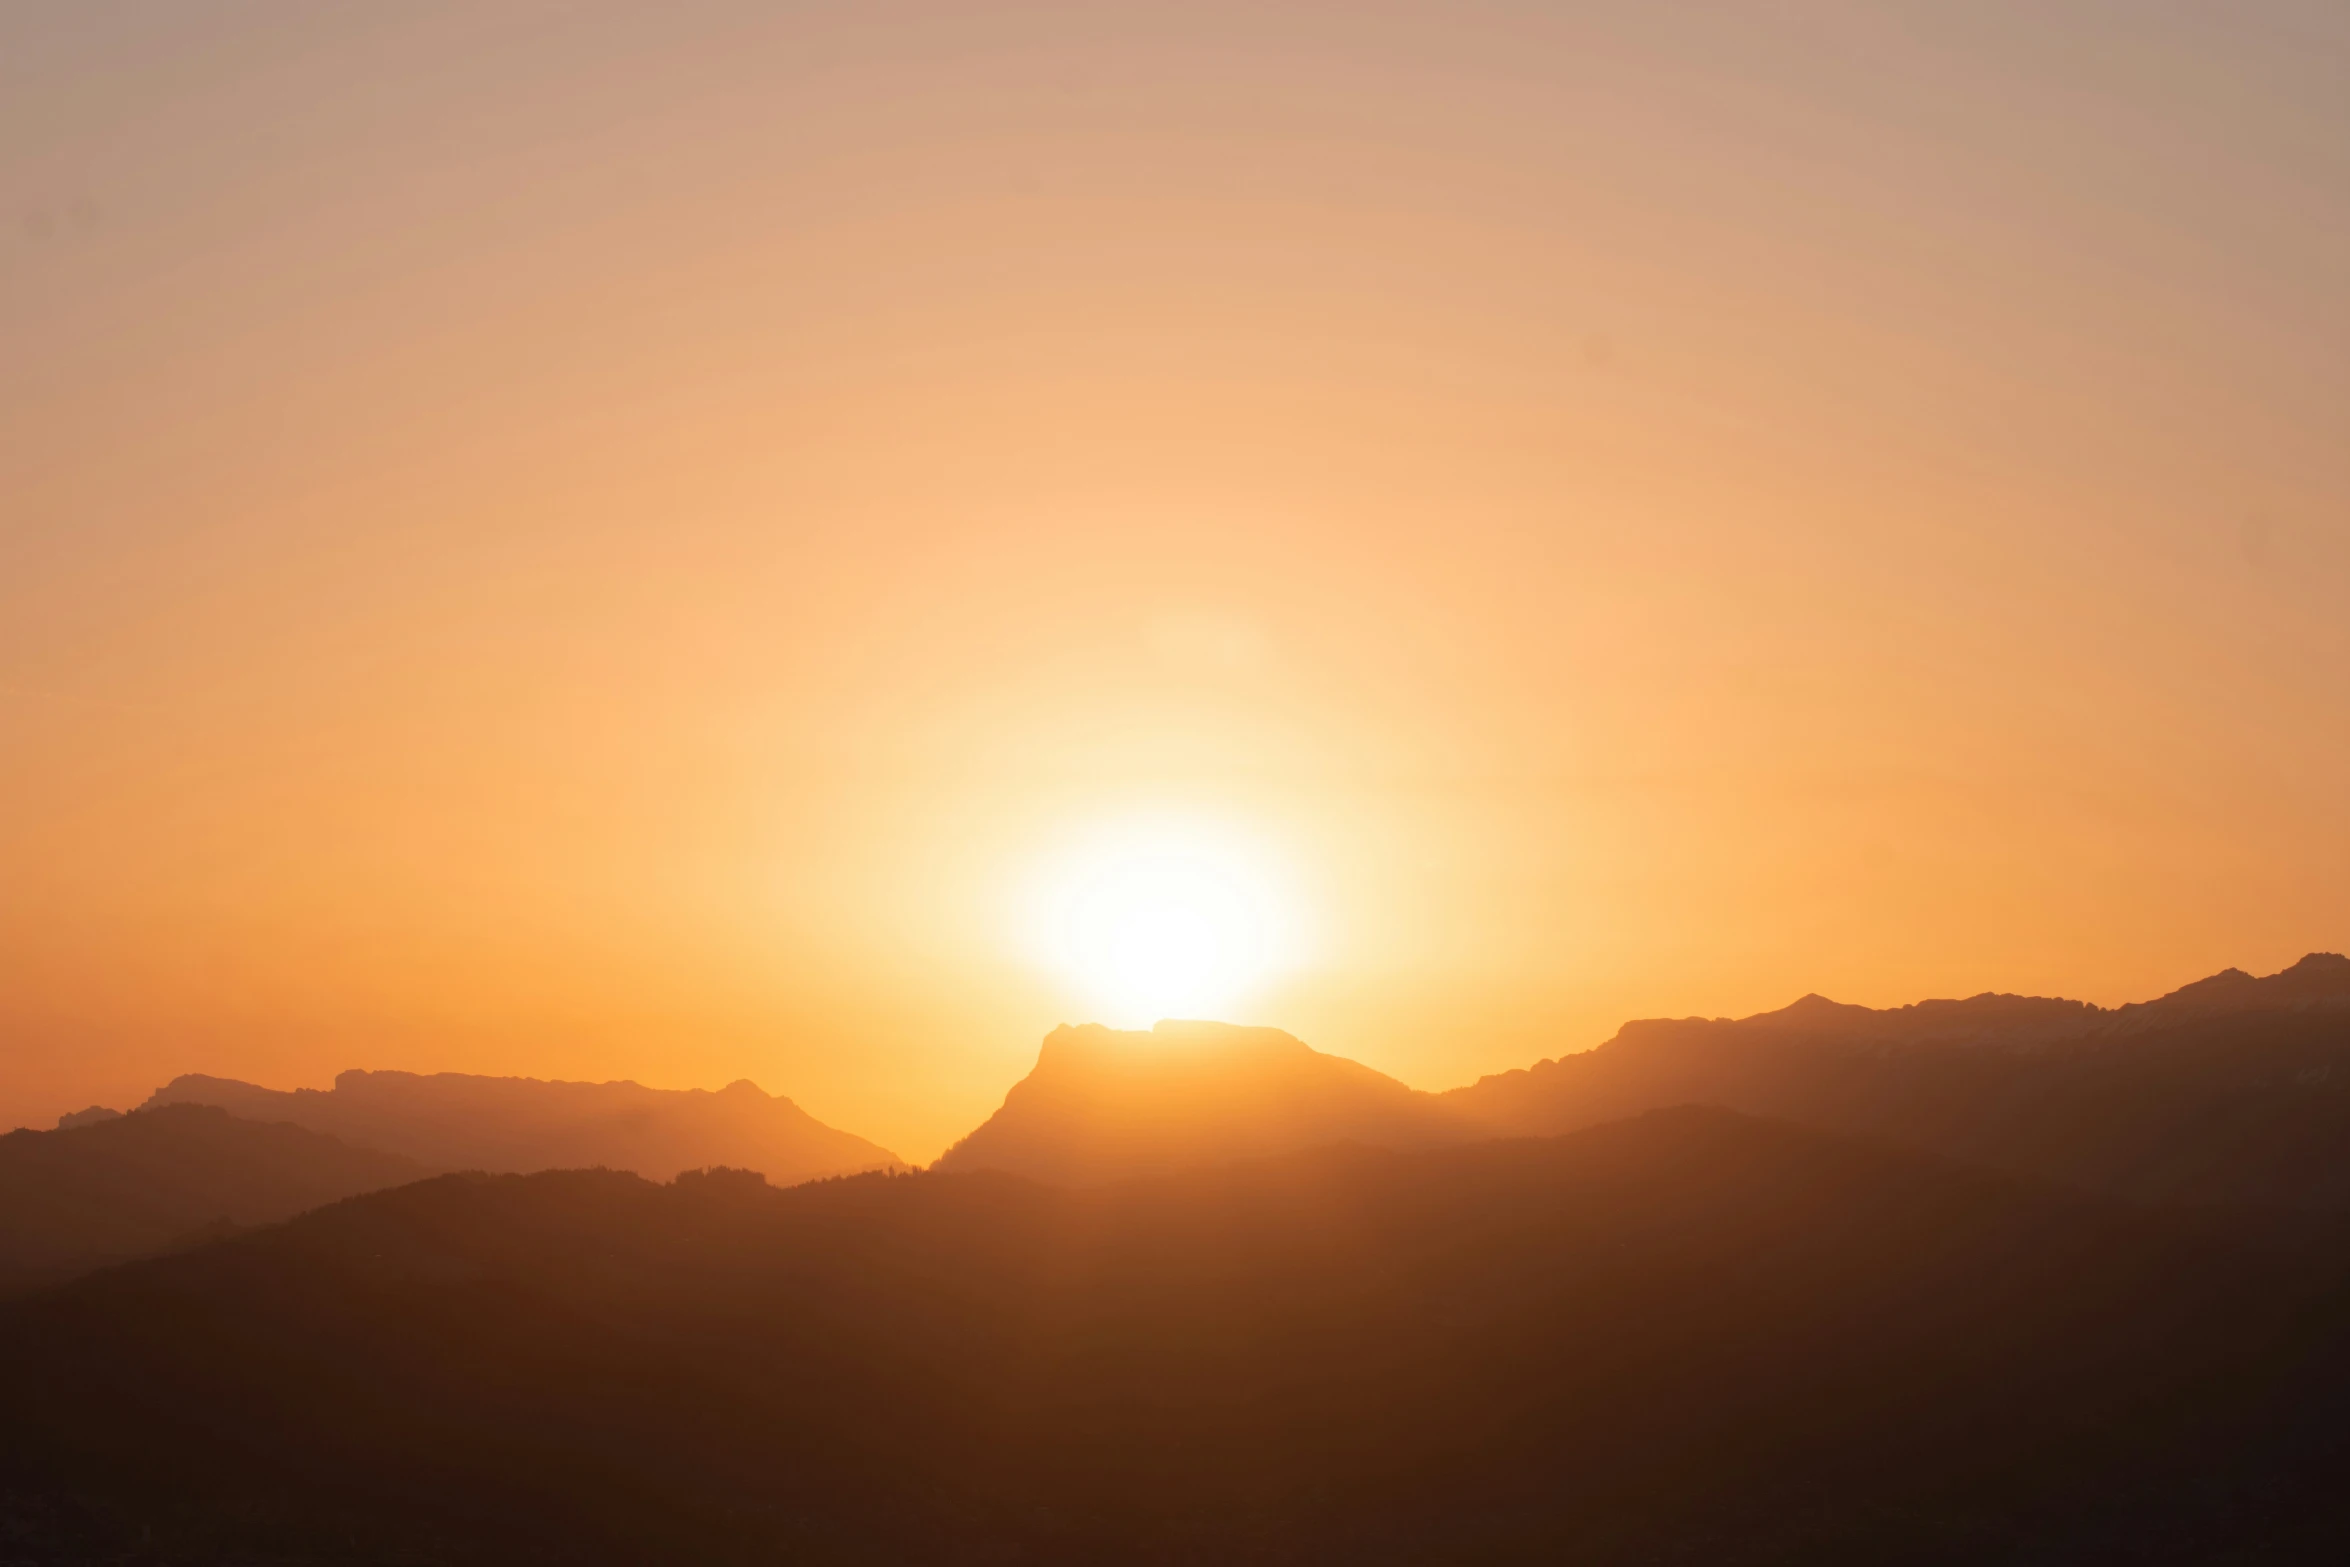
2229	1090
453	1121
2232	1090
2004	1279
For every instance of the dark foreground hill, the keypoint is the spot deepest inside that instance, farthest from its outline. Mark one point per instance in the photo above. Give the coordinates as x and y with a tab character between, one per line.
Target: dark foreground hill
1105	1103
453	1121
118	1187
1691	1337
2232	1090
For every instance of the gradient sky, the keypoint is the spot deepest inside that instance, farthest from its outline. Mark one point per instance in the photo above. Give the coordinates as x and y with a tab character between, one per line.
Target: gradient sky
595	540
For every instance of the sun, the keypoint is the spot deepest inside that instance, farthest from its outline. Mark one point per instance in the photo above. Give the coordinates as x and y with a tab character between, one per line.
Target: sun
1156	917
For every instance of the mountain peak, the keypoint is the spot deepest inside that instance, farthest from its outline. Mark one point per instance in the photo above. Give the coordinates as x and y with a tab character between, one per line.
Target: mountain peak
1103	1103
2319	980
1812	1003
1813	1011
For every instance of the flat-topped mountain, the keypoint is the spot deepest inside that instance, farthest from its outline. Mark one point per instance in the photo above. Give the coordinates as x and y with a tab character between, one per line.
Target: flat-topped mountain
124	1186
2231	1089
1103	1103
452	1121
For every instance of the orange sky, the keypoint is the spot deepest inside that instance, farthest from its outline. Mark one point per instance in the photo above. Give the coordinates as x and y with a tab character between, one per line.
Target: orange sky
599	540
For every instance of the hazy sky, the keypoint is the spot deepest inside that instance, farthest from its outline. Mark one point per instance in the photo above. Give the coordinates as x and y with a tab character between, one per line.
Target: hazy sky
598	540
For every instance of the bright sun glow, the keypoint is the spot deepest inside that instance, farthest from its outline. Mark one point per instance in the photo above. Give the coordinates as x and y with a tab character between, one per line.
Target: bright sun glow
1153	917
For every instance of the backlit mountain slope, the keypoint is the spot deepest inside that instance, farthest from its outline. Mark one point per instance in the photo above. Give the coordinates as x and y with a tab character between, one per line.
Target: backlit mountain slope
451	1121
1102	1103
130	1186
2232	1089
